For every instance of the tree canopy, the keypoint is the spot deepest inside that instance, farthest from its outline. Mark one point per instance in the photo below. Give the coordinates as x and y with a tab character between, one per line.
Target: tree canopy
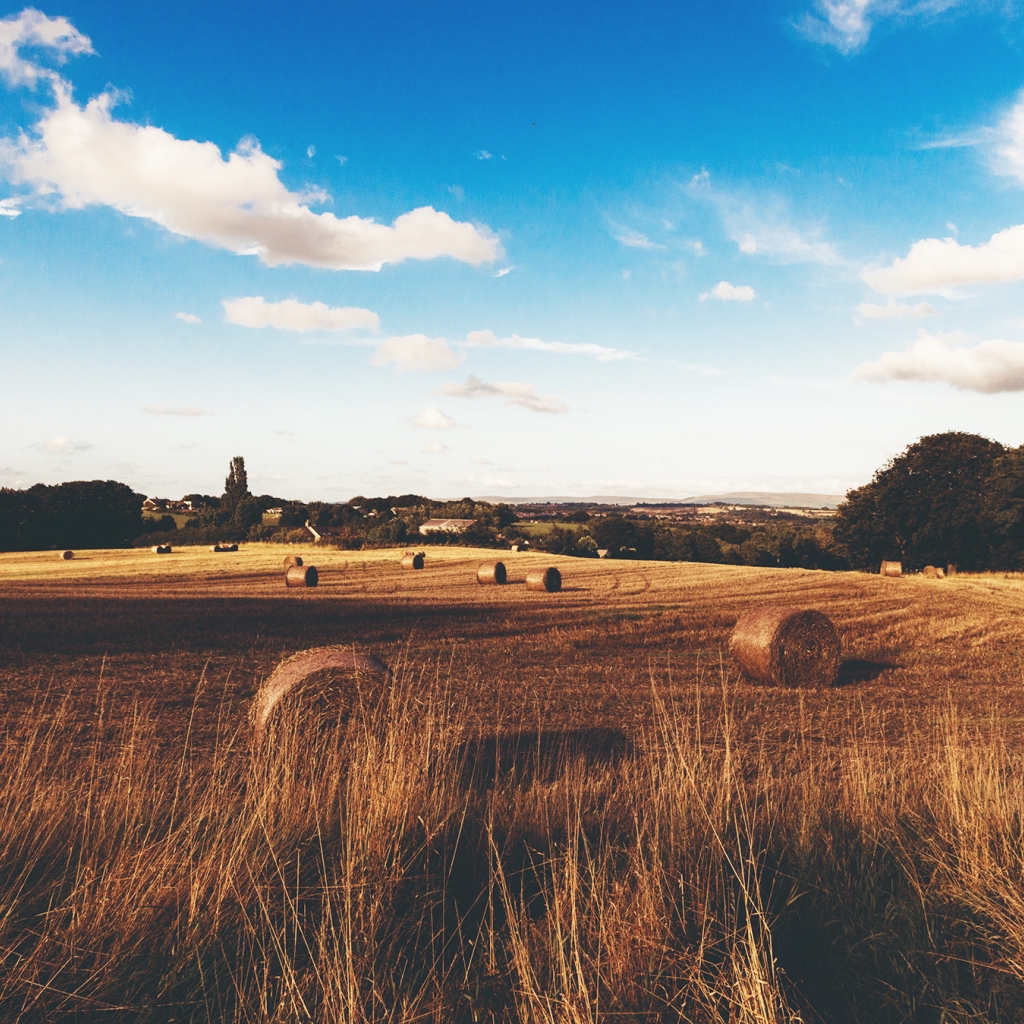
948	498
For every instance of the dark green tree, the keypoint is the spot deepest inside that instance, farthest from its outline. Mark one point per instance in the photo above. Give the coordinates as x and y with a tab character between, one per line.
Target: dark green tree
236	486
925	506
78	514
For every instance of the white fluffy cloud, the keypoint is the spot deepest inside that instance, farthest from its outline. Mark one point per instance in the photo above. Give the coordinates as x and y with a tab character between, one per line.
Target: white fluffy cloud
292	315
63	445
416	352
82	156
894	310
989	367
33	29
432	418
177	410
936	265
729	292
847	24
188	318
488	339
434	448
522	394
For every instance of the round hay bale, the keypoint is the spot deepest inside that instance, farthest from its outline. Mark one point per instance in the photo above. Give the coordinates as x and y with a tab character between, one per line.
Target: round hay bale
292	672
892	569
940	573
411	561
549	579
491	572
67	555
929	572
301	576
787	646
290	560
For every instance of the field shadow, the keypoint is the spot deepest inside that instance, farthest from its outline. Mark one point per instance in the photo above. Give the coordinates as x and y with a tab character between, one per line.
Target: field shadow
540	755
861	670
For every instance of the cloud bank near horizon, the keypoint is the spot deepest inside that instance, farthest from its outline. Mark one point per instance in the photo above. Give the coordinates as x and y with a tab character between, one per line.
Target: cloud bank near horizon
989	368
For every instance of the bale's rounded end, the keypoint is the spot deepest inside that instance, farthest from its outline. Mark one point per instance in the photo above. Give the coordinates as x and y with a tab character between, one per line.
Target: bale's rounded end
301	576
67	555
549	579
413	561
785	646
929	572
893	569
491	572
296	670
290	560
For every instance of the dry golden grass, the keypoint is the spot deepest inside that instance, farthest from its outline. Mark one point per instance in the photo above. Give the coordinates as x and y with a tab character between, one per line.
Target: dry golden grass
568	807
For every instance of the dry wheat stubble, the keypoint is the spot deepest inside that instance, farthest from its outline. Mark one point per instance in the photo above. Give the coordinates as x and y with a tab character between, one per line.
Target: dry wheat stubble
588	658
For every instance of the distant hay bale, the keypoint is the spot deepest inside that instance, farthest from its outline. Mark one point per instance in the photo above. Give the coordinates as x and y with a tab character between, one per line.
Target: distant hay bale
161	549
299	668
290	560
491	572
67	555
222	546
929	572
892	569
940	572
787	646
413	561
301	576
549	579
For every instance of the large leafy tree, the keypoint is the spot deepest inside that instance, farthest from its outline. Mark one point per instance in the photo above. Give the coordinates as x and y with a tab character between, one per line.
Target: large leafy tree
927	505
78	514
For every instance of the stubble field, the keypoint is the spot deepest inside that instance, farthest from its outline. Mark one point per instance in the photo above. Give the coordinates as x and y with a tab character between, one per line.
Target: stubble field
564	807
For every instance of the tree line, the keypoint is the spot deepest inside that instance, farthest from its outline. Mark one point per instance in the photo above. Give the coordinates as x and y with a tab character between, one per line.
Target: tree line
948	498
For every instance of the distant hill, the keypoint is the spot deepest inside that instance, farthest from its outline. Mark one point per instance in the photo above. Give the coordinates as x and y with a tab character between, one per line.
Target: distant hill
768	498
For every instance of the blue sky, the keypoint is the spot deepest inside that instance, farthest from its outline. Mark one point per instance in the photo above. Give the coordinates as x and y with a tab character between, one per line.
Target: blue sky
572	249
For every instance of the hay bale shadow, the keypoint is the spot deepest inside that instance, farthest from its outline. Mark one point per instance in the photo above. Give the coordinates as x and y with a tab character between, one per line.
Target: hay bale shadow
861	670
527	756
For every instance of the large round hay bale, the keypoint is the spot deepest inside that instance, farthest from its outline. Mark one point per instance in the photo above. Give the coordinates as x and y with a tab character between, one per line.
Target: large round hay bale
929	572
491	572
67	555
290	560
292	673
787	646
892	569
413	561
161	549
301	576
549	579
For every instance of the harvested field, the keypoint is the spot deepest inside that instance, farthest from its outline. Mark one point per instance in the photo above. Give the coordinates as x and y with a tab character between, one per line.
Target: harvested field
567	807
